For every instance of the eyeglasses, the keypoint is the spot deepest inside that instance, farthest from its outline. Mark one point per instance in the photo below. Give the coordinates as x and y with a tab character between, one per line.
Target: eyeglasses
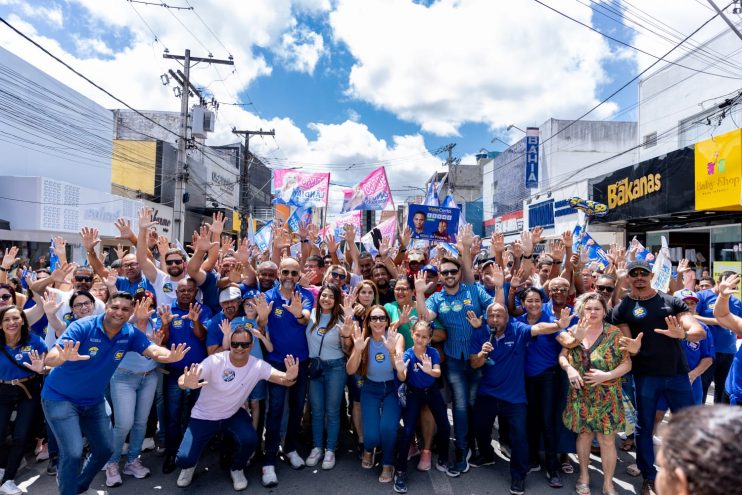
174	262
638	273
604	288
559	290
446	273
339	276
83	278
6	297
244	345
377	318
402	288
286	273
82	305
130	265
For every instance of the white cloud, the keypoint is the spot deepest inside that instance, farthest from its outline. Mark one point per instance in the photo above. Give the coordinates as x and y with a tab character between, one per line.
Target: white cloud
476	61
51	15
301	49
90	47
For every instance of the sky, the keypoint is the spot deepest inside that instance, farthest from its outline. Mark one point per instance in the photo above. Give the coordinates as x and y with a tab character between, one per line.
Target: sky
350	85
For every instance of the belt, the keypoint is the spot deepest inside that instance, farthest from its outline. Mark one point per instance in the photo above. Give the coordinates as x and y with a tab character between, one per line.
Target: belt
18	382
131	372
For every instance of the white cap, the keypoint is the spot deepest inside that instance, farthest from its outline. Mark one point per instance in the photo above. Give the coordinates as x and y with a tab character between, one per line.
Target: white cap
230	293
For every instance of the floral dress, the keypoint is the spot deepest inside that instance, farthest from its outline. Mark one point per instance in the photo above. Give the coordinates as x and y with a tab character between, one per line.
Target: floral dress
597	408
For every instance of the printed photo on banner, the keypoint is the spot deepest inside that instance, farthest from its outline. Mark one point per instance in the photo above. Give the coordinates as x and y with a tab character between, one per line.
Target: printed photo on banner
338	223
434	223
300	189
372	193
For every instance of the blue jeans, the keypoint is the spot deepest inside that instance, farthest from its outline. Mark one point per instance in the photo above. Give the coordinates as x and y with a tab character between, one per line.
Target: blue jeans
380	412
464	382
485	411
69	422
717	373
276	399
178	405
13	397
131	396
325	395
416	399
543	416
649	389
200	431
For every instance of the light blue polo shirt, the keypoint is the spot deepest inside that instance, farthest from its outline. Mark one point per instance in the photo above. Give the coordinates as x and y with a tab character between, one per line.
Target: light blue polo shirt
83	382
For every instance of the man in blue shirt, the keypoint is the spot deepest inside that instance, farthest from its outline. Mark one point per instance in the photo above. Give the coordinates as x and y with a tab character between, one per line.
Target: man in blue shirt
499	349
727	287
290	306
85	357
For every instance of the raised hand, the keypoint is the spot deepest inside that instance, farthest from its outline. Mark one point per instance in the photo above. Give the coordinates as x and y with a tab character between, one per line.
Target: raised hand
565	317
303	230
295	305
556	249
178	352
518	279
63	272
349	234
142	311
537	234
405	237
89	238
194	311
390	341
68	351
473	320
120	251
227	244
568	239
332	246
292	367
37	362
60	246
217	225
192	375
225	327
632	346
158	336
466	236
359	343
10	257
348	310
728	286
264	309
674	328
426	364
313	231
517	248
404	315
420	284
399	362
526	242
203	240
384	248
683	266
498	276
580	330
163	245
243	251
49	304
497	243
124	227
145	219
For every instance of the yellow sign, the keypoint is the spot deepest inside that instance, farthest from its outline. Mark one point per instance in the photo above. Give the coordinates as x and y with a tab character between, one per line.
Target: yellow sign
719	172
727	266
625	191
133	165
236	221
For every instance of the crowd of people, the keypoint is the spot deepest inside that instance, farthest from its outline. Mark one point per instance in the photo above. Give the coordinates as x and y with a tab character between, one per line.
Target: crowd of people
167	348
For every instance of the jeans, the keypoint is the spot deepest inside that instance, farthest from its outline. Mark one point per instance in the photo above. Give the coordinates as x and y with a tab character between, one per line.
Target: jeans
485	411
13	397
679	394
464	382
178	405
325	395
380	412
69	422
276	400
200	431
543	416
717	373
416	399
131	396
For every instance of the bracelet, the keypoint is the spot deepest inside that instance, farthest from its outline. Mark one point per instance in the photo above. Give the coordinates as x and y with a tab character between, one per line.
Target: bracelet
557	262
3	269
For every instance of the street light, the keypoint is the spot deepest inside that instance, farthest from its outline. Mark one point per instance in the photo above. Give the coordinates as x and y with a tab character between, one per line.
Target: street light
500	140
511	126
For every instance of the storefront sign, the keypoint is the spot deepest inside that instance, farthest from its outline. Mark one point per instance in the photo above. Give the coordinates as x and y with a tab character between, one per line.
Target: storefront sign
509	223
541	214
659	186
718	164
532	139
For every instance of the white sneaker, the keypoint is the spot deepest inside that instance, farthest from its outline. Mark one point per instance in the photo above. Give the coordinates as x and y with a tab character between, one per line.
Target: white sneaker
329	461
185	477
239	482
295	459
10	488
314	456
269	477
43	453
113	475
148	444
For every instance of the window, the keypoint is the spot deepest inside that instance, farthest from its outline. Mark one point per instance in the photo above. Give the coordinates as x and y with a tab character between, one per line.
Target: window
650	140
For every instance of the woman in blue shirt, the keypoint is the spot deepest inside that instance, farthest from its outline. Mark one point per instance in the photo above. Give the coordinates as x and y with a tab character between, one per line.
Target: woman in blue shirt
374	351
21	362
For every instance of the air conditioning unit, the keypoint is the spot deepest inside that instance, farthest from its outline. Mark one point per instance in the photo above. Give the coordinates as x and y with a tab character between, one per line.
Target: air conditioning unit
202	121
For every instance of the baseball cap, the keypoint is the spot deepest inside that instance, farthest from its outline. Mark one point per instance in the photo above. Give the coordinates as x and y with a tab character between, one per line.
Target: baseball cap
230	293
431	269
686	294
640	265
249	294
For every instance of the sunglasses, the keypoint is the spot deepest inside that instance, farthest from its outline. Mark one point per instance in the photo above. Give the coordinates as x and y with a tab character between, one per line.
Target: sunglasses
83	278
377	318
638	273
286	273
604	288
446	273
560	290
174	262
6	297
339	276
243	345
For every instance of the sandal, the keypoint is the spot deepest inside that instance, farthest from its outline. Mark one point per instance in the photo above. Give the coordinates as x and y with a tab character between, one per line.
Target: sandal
367	460
582	488
627	445
387	473
568	468
633	470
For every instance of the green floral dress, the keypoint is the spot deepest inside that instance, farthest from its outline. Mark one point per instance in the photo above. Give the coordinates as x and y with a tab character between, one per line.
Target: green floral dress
597	408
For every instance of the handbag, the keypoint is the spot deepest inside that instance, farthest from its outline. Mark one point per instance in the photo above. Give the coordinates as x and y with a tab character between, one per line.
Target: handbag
314	370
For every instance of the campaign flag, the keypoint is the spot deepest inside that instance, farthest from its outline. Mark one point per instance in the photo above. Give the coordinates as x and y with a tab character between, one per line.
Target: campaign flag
662	269
450	202
182	249
434	223
251	230
372	193
384	230
431	197
340	221
594	251
264	236
303	189
300	215
295	250
439	187
642	252
53	258
450	248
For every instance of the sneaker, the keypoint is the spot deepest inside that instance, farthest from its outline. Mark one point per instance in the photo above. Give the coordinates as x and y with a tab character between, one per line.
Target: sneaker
314	456
239	482
137	469
295	460
462	461
51	466
185	477
555	481
426	458
148	444
648	487
445	467
329	461
400	482
269	477
518	487
43	453
482	460
10	488
505	450
113	476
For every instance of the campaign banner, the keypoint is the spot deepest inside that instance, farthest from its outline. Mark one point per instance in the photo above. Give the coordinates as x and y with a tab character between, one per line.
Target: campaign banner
662	268
594	251
300	189
338	223
434	223
384	230
264	236
300	215
372	193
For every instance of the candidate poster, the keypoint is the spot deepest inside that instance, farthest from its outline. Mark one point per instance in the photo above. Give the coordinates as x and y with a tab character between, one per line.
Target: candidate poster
433	223
301	189
371	193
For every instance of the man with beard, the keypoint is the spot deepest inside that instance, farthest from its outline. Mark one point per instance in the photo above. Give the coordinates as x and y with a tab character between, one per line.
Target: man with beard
174	261
229	300
380	276
289	306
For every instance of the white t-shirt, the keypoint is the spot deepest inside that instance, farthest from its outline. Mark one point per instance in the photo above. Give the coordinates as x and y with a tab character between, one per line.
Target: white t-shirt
228	387
164	287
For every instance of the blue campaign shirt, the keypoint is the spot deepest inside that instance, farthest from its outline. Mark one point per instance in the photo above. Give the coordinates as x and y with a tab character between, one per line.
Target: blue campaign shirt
451	311
287	334
20	354
543	351
38	328
503	375
123	284
210	292
733	385
83	382
214	334
181	332
380	367
415	376
695	351
724	339
256	350
134	361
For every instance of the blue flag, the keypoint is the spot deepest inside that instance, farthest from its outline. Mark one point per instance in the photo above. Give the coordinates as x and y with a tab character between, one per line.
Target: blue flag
53	258
594	251
431	197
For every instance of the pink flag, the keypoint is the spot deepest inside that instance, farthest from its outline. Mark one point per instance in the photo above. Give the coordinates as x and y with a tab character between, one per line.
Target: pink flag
372	193
291	187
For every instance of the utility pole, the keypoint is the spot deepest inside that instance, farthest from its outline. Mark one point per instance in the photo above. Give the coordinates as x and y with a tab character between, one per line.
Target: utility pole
181	172
245	175
726	19
451	163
